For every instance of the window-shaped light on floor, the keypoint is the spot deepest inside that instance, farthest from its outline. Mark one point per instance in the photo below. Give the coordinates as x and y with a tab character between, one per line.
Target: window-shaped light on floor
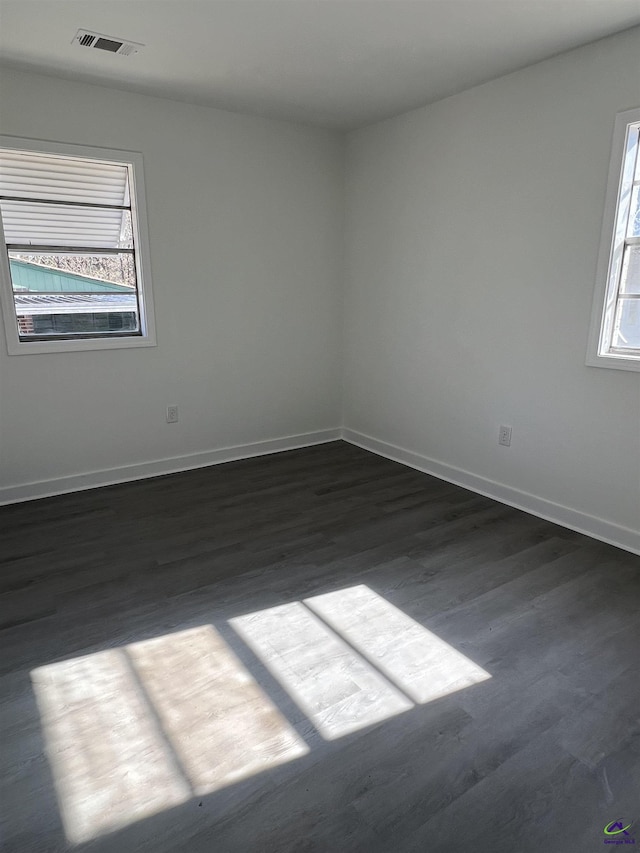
350	659
415	659
337	690
136	730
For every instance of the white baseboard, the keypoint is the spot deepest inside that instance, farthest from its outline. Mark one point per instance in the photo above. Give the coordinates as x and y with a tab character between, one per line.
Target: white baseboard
598	528
111	476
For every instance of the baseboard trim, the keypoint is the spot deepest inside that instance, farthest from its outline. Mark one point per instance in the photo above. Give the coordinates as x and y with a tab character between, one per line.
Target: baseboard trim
597	528
158	467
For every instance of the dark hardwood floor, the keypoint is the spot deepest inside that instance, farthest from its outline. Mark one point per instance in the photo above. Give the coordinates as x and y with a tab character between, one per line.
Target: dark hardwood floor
319	650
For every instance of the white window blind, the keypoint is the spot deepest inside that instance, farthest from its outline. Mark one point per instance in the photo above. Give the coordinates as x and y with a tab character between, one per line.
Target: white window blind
48	200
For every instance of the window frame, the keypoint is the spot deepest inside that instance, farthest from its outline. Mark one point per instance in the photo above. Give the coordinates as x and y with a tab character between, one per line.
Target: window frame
142	256
606	293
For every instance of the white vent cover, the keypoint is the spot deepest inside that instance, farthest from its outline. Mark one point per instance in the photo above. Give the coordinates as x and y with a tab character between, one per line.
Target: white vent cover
87	38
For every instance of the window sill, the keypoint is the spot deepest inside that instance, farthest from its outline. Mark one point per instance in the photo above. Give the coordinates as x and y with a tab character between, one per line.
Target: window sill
84	345
614	362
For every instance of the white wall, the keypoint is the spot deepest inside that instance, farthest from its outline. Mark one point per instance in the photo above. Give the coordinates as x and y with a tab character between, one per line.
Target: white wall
472	236
245	222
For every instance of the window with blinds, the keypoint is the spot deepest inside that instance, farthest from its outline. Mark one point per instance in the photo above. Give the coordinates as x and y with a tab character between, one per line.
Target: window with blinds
73	265
615	333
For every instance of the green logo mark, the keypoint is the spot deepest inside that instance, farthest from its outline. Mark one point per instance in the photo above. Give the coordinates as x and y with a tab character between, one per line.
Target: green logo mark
615	828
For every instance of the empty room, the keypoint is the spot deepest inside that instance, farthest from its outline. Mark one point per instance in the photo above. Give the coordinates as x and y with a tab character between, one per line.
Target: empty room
319	426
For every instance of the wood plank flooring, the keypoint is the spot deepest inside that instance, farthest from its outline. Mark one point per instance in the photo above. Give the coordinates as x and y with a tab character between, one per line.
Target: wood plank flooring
315	651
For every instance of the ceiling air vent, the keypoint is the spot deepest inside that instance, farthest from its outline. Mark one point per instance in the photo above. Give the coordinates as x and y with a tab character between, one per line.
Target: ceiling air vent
86	38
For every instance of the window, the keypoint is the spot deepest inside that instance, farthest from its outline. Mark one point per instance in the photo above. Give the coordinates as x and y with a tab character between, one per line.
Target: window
75	274
615	328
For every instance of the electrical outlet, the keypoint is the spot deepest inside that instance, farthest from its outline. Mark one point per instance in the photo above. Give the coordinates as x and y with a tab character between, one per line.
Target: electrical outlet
172	414
504	436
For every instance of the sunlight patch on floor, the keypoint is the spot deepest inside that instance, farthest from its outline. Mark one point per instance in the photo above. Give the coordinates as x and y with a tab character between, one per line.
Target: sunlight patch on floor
350	659
221	724
139	729
132	731
412	657
337	690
